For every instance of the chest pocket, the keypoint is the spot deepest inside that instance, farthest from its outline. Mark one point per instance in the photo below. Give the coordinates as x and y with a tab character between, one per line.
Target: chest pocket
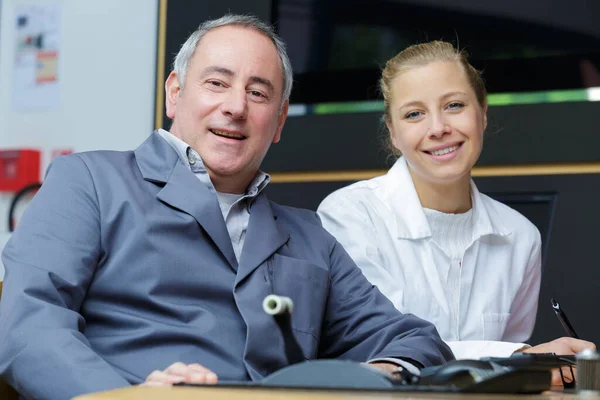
307	285
494	326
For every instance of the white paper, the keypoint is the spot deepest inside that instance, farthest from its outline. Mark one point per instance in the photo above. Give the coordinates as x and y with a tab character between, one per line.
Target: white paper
35	85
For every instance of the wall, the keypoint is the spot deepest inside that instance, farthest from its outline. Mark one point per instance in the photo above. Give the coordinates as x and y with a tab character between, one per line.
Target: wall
106	73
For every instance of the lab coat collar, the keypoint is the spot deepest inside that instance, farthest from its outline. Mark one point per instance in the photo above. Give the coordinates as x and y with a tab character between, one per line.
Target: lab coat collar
411	220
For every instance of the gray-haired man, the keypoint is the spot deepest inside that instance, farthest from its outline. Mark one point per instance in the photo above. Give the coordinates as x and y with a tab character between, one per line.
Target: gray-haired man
151	266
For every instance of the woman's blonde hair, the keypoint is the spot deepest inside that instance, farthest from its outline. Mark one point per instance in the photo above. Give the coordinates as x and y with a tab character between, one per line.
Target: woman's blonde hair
422	54
419	55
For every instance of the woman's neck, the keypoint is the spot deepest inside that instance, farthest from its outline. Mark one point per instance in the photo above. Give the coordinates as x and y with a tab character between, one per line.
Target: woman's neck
450	198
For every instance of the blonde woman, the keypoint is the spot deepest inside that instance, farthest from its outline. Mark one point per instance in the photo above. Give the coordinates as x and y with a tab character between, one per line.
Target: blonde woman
423	233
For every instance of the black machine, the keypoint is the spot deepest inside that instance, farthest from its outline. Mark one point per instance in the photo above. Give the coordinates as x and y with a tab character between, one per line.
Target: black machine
464	376
523	375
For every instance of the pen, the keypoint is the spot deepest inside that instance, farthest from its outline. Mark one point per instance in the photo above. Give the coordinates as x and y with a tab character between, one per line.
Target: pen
564	321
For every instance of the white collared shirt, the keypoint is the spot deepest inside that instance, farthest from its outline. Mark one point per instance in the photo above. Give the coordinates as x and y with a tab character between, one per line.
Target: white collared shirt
381	223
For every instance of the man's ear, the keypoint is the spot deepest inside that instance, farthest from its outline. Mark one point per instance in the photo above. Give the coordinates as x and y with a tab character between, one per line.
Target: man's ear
172	89
282	117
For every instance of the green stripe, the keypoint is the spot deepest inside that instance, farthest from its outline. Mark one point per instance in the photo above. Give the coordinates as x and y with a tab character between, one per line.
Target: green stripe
551	96
348	107
494	99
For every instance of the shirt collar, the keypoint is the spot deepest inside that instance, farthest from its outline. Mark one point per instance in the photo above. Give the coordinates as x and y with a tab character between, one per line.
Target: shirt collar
411	220
177	144
191	158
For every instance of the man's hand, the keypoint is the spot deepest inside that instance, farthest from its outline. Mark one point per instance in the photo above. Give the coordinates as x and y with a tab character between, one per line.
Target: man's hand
181	373
561	346
388	367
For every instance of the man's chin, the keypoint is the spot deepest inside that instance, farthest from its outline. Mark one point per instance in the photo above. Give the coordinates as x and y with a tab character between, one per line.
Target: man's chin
233	174
227	171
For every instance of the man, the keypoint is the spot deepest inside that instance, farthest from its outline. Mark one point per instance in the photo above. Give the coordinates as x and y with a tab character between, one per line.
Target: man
154	263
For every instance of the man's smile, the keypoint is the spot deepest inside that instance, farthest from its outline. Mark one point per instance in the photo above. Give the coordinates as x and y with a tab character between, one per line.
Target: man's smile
227	134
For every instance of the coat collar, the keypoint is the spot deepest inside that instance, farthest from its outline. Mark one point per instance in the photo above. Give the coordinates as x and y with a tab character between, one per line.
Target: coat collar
265	235
159	163
411	221
156	159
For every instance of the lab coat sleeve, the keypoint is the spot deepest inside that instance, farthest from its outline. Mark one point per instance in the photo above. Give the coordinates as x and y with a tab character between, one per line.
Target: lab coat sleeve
474	349
50	261
360	323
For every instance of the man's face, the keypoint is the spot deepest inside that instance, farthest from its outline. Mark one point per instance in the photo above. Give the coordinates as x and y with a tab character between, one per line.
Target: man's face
229	109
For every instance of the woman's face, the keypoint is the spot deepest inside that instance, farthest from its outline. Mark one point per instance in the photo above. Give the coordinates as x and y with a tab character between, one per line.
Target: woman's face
436	122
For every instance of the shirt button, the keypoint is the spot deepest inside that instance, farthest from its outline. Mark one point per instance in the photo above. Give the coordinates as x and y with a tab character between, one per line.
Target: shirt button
191	160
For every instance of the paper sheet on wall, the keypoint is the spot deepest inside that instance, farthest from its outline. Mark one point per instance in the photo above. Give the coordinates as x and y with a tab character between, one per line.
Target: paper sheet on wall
35	85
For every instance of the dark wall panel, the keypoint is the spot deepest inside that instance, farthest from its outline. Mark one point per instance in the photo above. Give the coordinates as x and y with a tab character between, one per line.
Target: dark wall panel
571	272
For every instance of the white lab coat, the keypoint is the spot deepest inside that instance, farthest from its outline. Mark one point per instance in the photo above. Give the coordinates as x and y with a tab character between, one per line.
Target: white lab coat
381	223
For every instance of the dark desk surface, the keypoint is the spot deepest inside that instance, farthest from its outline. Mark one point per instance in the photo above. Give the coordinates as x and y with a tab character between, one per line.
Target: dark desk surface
216	393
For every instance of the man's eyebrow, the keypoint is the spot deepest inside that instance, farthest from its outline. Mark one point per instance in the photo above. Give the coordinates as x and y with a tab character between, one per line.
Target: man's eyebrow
226	71
263	81
215	68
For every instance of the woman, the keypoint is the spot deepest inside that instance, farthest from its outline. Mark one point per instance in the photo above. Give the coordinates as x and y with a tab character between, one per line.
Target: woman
424	234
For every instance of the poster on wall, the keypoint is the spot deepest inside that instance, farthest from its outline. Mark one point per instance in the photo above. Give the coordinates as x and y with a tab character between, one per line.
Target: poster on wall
36	82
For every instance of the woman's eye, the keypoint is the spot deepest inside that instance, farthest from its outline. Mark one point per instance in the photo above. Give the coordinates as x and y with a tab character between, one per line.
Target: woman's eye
455	106
413	115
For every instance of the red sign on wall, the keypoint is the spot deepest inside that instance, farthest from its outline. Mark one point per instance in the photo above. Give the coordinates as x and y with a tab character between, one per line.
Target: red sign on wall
19	168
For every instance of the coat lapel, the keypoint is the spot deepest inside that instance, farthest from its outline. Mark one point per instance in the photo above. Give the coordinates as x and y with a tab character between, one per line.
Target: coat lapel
263	237
160	163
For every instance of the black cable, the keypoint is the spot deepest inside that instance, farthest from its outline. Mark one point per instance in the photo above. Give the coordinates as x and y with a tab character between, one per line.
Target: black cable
21	193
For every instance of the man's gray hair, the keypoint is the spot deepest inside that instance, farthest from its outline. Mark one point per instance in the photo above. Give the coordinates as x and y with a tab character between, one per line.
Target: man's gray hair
181	63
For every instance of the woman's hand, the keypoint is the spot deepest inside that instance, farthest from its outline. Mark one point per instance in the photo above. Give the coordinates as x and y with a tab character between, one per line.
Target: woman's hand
561	346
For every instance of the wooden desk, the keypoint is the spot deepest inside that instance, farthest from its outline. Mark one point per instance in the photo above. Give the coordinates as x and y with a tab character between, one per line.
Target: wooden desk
213	393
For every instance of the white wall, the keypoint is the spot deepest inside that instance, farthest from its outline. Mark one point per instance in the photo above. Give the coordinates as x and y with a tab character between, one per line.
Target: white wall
106	73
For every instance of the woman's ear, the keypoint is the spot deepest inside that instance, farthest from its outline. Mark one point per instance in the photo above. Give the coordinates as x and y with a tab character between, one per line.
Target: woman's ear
389	127
485	109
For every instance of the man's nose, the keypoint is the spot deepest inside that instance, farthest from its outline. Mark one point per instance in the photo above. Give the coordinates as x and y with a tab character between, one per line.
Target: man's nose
235	104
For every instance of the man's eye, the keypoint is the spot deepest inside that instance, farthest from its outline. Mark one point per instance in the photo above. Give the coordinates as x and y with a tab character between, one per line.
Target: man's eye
216	83
256	93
